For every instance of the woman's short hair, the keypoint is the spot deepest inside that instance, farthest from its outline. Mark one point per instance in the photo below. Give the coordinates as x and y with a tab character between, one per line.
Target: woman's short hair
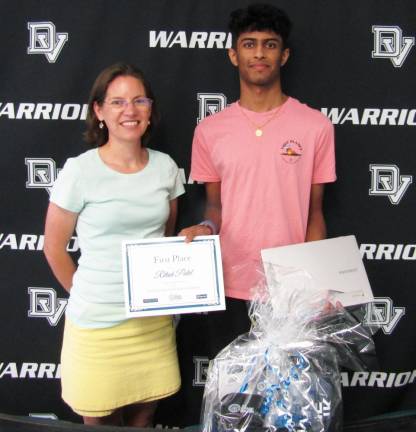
96	136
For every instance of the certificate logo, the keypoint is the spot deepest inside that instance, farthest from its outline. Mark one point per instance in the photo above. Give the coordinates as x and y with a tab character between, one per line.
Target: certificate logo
387	181
381	312
391	44
291	151
43	39
44	303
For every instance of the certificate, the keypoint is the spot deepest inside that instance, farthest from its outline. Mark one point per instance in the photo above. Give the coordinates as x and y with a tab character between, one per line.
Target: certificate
166	276
334	264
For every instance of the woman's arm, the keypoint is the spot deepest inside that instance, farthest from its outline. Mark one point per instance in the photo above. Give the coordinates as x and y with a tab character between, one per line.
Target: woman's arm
171	222
59	227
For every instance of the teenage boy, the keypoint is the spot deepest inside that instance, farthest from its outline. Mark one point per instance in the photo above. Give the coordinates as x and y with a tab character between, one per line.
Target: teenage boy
264	160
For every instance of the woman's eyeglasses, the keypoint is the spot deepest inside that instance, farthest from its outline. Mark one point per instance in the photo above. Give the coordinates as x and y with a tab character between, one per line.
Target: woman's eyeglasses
142	103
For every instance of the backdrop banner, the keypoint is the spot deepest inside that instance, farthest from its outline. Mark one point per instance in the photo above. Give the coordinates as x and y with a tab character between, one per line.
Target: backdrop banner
355	61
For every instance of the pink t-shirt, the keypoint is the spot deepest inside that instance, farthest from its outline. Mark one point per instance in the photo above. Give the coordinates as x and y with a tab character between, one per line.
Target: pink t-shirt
265	181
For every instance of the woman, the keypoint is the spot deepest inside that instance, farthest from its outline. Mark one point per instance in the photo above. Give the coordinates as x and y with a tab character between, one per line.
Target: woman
113	369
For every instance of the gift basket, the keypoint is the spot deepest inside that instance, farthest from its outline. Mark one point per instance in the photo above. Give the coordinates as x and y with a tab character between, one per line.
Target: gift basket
284	374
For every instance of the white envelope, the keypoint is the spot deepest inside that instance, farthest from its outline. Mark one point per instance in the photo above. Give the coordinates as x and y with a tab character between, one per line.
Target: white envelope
334	264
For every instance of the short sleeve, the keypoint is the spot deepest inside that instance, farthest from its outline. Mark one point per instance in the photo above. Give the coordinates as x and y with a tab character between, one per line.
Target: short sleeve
202	167
324	161
177	184
67	191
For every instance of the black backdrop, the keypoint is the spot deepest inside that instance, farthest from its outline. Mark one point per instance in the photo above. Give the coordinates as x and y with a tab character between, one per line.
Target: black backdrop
354	60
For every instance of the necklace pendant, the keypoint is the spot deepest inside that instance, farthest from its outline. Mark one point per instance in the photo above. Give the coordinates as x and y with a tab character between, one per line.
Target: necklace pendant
259	132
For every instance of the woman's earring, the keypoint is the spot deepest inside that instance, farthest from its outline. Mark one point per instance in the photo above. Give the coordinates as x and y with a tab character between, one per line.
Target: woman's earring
101	125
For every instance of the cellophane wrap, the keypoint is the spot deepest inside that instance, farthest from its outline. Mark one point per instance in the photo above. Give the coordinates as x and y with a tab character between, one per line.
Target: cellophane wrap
284	374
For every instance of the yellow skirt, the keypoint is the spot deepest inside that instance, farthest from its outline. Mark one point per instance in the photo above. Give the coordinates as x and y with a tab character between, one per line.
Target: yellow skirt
107	368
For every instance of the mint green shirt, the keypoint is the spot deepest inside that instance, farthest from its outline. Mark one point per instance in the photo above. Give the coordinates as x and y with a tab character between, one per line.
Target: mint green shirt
111	207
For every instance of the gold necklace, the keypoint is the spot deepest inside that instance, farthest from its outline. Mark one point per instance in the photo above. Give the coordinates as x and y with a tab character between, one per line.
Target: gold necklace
259	128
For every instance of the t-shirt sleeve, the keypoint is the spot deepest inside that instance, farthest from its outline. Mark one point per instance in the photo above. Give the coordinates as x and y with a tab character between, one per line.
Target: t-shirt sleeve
324	161
177	187
67	191
202	167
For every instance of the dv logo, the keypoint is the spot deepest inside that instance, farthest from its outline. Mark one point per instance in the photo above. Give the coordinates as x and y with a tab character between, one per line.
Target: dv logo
382	313
389	43
201	370
387	181
210	103
43	39
44	303
41	173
